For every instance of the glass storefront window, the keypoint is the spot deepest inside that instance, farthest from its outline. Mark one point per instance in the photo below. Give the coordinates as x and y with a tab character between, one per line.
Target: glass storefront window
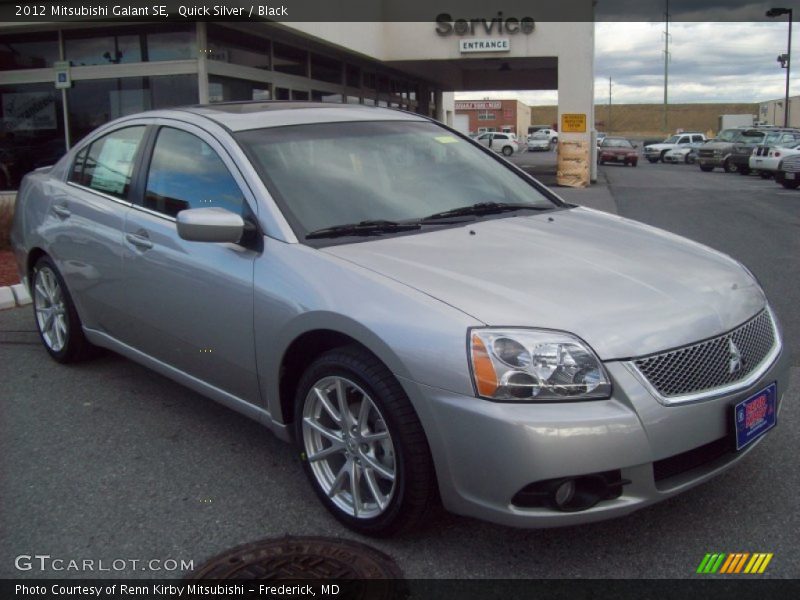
320	96
31	130
326	69
28	51
129	45
227	89
353	76
289	60
227	45
94	102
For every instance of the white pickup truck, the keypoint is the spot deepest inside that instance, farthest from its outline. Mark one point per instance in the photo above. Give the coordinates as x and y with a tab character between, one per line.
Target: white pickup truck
656	152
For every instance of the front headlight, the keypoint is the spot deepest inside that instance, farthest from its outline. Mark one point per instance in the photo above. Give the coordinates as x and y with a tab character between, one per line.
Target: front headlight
535	365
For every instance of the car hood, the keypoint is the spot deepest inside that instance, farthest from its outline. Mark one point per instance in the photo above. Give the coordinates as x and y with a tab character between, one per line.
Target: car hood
626	288
618	150
660	146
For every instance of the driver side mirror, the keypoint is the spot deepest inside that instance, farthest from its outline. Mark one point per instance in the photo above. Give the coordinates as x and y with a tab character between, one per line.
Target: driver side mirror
212	224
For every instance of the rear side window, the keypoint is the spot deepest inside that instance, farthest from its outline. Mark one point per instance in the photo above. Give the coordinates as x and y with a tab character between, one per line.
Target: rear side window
185	172
106	165
697	138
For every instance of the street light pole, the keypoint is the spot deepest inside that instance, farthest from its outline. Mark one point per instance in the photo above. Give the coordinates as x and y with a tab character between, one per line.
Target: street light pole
777	12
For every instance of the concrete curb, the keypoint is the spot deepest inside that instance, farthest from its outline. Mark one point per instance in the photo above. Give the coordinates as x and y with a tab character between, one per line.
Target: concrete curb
12	296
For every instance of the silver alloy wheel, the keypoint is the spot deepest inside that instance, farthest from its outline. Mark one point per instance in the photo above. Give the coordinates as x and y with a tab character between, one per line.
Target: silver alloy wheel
51	312
348	447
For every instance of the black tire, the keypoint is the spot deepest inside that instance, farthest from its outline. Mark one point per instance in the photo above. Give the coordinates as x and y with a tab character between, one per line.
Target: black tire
662	155
744	170
652	160
75	345
690	160
706	168
730	167
634	163
415	495
508	151
765	174
790	184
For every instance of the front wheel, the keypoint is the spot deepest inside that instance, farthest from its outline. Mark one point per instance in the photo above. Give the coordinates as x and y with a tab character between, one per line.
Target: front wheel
362	445
57	320
653	160
730	167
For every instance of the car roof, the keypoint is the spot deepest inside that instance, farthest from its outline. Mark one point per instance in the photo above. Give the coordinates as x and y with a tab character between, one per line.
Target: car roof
241	116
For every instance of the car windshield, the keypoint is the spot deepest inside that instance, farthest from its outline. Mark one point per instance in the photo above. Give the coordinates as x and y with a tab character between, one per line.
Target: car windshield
751	137
330	174
616	143
673	139
728	135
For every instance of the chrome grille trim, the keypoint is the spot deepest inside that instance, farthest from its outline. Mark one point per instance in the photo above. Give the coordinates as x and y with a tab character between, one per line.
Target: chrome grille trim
758	341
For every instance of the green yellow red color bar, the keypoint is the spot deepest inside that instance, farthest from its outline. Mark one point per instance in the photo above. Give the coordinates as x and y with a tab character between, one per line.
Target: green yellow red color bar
737	562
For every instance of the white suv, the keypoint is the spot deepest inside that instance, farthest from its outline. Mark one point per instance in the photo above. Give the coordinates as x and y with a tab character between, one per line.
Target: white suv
656	152
505	143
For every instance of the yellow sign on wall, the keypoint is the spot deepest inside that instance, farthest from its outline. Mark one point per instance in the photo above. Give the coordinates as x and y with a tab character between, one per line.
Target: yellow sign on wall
573	123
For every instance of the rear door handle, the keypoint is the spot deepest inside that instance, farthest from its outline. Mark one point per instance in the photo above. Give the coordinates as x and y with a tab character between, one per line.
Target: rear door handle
61	210
139	241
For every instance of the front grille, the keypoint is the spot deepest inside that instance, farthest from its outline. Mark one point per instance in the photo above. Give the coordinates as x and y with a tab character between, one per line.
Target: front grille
791	164
693	459
705	153
713	363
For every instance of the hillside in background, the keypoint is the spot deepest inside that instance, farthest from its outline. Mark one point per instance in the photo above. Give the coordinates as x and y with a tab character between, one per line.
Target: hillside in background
648	119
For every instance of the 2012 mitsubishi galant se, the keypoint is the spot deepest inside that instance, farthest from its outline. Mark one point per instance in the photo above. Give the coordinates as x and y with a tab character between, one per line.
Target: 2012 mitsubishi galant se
424	320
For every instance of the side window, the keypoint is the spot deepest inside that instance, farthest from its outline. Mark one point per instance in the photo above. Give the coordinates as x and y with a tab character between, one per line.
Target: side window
185	172
684	140
107	164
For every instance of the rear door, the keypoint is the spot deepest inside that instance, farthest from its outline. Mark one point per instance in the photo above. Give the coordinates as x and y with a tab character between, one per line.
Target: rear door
88	218
191	303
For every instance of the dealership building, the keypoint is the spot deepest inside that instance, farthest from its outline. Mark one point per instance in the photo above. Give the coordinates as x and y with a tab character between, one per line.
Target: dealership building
58	81
479	116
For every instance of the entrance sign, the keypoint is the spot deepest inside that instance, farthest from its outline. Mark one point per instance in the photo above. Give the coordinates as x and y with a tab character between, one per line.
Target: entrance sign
484	45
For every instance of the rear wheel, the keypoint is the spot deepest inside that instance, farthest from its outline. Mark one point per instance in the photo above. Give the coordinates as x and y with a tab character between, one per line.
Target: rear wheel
663	154
508	151
362	445
56	318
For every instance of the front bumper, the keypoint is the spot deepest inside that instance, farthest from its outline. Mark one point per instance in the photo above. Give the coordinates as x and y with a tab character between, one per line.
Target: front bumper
711	161
485	452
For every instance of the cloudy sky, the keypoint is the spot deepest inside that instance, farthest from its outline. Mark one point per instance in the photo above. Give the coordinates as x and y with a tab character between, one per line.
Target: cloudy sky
711	62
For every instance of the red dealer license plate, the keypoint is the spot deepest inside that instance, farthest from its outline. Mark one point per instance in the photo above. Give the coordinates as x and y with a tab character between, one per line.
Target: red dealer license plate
755	416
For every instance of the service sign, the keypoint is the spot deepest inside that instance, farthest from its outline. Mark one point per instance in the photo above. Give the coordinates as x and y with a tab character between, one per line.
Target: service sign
484	45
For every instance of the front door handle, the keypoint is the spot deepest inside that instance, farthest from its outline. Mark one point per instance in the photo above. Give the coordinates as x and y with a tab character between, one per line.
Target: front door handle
62	211
139	241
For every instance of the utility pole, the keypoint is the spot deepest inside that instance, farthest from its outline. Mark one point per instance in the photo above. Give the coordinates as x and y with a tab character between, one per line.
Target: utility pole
608	125
666	63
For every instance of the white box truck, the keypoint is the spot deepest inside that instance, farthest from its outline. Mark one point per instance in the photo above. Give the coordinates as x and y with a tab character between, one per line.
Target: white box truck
733	121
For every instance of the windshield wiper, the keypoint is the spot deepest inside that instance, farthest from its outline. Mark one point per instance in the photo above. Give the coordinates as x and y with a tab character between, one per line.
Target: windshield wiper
362	228
483	208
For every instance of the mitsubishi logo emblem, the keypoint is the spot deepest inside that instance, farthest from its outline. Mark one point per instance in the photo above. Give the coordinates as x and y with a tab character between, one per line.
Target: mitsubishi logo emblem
734	358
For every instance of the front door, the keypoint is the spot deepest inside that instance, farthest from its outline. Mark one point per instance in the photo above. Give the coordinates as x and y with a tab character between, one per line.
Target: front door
191	303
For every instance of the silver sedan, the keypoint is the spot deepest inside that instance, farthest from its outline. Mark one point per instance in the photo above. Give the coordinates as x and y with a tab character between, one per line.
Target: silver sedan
423	320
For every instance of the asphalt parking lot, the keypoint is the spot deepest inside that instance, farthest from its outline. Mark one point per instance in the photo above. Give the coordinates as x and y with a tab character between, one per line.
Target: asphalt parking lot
107	460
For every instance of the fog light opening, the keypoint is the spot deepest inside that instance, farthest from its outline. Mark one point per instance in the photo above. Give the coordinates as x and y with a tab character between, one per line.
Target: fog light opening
564	493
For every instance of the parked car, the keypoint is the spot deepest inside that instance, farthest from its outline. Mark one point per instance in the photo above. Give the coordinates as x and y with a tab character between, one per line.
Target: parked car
765	158
719	151
656	152
551	133
504	143
540	141
422	319
750	140
616	149
788	172
686	154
